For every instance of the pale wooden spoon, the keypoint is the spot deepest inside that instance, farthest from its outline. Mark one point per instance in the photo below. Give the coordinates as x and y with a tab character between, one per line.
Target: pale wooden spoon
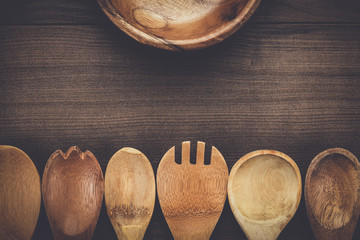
192	196
332	194
129	193
73	188
264	191
20	194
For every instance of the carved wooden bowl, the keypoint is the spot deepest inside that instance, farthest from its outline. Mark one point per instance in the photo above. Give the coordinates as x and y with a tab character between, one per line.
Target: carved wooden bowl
179	24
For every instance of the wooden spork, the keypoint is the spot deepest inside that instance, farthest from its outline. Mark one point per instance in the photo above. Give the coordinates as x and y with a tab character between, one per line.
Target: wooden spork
192	196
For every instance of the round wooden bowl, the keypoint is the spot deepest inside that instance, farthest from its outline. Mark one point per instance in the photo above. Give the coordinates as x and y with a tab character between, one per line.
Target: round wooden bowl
179	24
264	191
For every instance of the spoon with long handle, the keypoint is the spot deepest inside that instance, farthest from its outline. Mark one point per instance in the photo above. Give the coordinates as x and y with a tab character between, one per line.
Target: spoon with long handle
129	193
264	191
73	188
20	194
332	194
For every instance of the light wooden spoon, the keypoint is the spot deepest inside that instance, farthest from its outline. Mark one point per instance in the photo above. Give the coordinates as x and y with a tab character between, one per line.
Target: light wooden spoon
192	196
332	194
264	192
129	193
73	188
20	195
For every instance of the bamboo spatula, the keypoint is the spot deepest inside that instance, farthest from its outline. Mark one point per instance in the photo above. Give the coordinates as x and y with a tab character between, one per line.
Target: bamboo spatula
192	196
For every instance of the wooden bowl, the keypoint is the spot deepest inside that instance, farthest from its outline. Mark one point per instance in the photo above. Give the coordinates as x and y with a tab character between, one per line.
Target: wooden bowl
264	191
332	194
179	24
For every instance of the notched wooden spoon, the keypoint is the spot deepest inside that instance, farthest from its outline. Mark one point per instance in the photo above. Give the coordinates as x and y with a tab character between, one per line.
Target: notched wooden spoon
129	193
73	188
264	191
20	194
192	196
332	194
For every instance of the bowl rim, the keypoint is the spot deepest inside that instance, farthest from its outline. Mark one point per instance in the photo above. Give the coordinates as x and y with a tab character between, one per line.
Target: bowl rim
207	40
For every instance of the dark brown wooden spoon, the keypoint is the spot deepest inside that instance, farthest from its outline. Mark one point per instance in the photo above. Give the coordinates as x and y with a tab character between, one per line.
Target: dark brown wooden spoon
73	187
332	194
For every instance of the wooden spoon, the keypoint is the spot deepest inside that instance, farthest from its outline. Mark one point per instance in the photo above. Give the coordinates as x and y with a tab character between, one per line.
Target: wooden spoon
192	196
177	25
264	192
129	193
332	190
20	195
73	188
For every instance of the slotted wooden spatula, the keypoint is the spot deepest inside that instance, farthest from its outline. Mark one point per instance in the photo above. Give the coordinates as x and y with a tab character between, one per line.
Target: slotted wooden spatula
192	196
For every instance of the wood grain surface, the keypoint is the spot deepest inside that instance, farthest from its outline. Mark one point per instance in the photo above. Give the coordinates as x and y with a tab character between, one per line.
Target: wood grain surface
72	190
264	192
288	80
179	25
332	194
191	193
20	194
129	193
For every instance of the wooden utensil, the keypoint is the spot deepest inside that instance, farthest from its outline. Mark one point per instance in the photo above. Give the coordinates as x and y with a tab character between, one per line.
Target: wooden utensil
192	196
129	193
72	187
264	192
20	195
332	190
177	25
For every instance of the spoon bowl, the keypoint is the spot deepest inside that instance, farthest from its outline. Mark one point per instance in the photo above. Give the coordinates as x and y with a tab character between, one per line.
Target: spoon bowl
20	194
264	191
179	24
332	190
73	189
129	193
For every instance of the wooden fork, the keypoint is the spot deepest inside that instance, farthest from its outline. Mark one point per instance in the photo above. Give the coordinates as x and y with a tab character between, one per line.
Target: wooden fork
192	196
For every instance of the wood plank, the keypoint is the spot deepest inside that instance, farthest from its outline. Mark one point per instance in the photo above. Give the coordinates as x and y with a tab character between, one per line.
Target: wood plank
288	87
26	12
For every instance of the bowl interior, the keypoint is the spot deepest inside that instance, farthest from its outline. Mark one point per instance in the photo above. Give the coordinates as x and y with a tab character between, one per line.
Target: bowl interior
180	19
333	190
266	188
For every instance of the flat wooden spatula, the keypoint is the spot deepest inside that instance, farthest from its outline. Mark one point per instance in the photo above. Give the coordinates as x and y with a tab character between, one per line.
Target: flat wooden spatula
192	196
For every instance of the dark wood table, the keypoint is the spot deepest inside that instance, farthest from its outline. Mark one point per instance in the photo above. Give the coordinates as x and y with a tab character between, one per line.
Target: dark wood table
289	80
